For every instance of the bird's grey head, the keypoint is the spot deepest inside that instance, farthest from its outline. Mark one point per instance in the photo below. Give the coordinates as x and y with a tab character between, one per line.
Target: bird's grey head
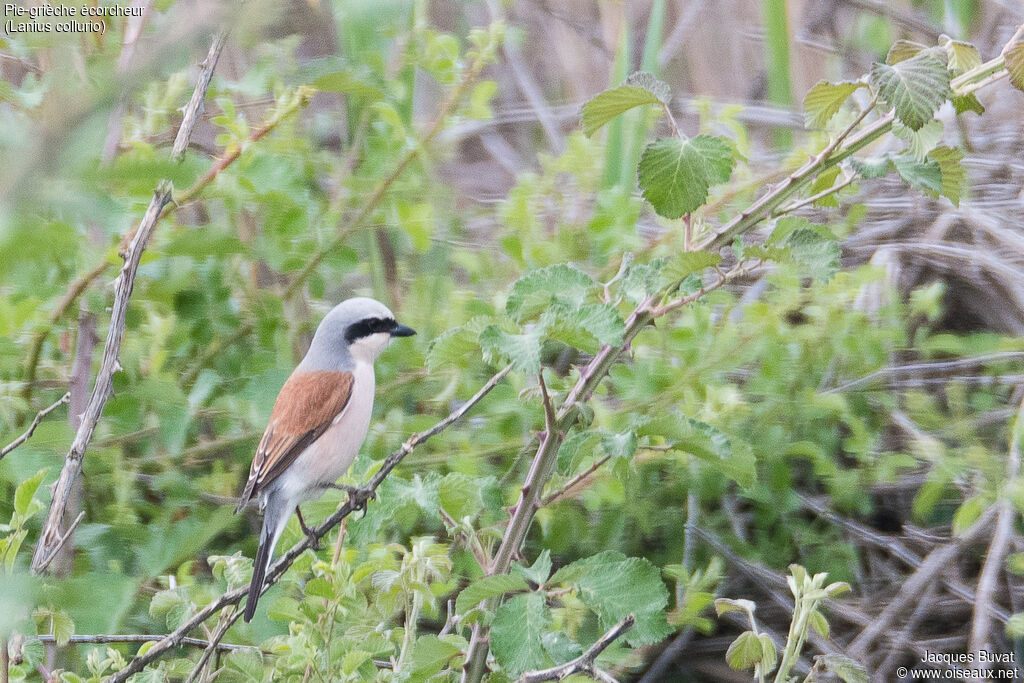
355	330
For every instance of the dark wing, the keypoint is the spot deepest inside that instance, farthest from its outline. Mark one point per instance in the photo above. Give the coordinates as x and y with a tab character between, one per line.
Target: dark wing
305	408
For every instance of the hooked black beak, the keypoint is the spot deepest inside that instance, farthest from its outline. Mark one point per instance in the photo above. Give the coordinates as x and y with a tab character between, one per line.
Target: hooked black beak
402	331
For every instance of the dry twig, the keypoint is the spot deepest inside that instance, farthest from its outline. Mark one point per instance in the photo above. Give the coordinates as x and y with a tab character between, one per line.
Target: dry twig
35	423
585	662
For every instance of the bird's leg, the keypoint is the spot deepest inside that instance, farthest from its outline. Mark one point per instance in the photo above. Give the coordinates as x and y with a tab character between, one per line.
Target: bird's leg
359	497
315	542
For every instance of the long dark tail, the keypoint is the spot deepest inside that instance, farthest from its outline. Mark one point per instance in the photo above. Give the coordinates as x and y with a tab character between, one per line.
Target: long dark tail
274	520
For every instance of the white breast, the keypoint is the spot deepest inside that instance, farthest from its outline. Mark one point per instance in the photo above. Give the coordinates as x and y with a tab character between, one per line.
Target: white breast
330	456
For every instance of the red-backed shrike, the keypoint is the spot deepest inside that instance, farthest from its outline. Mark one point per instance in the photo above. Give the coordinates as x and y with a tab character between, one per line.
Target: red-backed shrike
318	422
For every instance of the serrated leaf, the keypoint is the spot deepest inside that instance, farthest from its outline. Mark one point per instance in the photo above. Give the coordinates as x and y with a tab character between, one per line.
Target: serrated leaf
675	174
517	631
163	601
787	225
613	586
539	571
320	587
246	661
639	89
848	670
687	263
960	56
824	99
731	457
462	495
919	142
586	327
815	254
642	280
1013	58
63	627
903	50
26	491
454	346
579	444
921	175
745	652
535	292
873	167
915	88
968	102
430	655
954	176
523	350
486	588
356	658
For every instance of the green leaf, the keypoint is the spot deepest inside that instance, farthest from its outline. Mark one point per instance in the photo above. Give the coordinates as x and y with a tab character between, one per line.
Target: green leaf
819	623
954	176
960	56
586	442
26	491
539	572
745	652
922	141
787	225
320	587
523	350
430	655
1013	58
463	495
823	101
454	346
903	50
517	631
248	662
731	457
769	655
723	605
915	88
63	627
675	174
815	254
874	167
615	586
642	280
586	327
356	658
535	292
639	89
848	670
163	601
968	102
687	263
486	588
921	175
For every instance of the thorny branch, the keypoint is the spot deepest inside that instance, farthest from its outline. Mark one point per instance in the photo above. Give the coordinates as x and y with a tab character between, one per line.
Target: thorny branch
585	662
51	536
35	423
278	569
104	386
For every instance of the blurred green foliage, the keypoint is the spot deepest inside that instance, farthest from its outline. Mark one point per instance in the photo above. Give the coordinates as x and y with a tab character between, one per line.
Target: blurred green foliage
726	398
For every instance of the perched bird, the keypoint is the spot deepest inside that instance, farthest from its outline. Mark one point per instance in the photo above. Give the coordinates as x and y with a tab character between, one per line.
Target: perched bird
318	422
